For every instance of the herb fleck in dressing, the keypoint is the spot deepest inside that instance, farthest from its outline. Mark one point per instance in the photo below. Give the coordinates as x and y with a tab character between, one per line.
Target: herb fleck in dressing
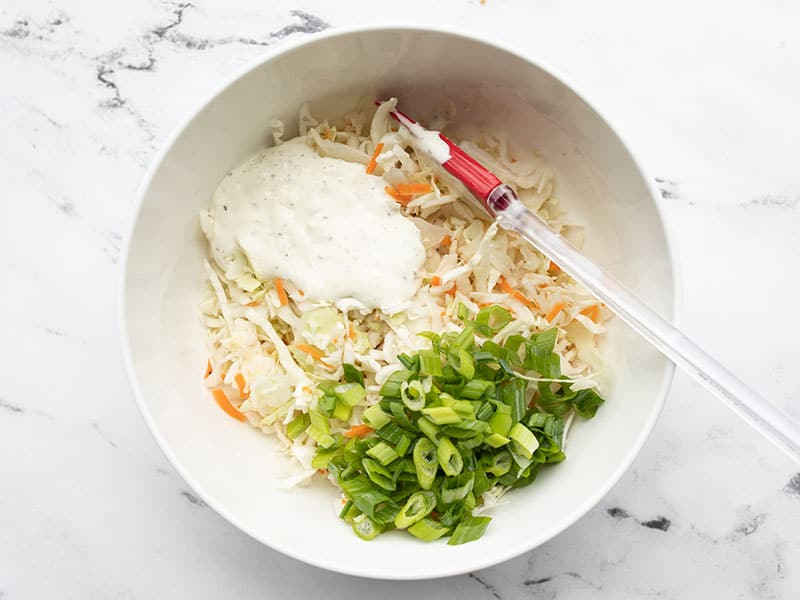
320	222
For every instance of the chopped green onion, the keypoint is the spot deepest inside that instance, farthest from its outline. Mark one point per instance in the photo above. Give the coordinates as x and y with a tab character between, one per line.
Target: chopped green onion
383	453
464	340
441	415
484	412
375	417
495	440
426	462
297	425
462	312
365	527
430	363
350	393
462	362
409	362
456	488
378	474
362	494
342	411
464	409
320	430
391	388
586	403
428	530
429	429
449	458
413	395
512	393
386	514
327	404
418	506
469	530
352	375
524	440
500	463
391	433
476	388
399	411
501	421
494	317
346	510
403	445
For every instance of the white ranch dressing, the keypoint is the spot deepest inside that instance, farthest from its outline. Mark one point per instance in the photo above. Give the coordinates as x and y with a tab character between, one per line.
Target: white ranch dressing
321	223
427	140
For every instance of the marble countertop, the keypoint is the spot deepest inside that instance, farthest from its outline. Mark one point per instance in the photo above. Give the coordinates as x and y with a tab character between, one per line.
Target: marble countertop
707	94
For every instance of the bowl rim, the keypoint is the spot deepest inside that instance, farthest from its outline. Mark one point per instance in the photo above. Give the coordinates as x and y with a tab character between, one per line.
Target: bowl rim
444	569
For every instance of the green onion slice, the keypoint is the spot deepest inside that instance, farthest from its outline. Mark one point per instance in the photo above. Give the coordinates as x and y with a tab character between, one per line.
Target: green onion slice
426	462
469	530
418	506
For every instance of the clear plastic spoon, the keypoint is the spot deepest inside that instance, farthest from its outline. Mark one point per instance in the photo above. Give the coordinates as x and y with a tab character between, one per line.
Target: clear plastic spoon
500	201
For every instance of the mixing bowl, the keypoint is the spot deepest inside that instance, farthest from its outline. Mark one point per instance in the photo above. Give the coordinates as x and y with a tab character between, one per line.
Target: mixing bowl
235	469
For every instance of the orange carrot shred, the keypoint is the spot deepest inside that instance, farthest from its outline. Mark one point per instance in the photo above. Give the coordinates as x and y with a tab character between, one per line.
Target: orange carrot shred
554	311
373	162
414	188
446	241
436	281
314	353
506	287
241	384
209	370
452	290
281	291
301	292
252	304
398	197
593	312
358	431
352	332
225	404
554	268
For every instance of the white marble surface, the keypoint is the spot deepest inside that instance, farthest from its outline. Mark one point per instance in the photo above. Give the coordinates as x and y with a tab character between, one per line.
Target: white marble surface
707	93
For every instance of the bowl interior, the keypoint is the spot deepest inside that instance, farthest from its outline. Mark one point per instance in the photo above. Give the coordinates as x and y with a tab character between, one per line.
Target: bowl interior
237	470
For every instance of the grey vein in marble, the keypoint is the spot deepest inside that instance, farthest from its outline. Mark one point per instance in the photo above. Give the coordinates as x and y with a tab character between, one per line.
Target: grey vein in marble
793	486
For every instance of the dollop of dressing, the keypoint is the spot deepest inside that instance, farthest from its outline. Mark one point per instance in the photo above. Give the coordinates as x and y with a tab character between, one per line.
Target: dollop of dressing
320	222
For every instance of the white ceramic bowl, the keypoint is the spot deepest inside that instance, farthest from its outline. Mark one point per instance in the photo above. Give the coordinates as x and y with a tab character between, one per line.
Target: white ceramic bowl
234	468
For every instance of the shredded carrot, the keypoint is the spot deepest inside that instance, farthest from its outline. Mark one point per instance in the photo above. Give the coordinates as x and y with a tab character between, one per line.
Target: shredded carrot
414	188
554	311
452	290
313	352
352	332
358	431
436	281
593	312
252	304
225	404
281	291
399	198
554	268
506	287
446	241
301	292
209	370
373	162
241	384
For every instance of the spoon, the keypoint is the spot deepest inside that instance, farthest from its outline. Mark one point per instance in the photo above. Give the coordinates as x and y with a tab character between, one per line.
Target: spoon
502	203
